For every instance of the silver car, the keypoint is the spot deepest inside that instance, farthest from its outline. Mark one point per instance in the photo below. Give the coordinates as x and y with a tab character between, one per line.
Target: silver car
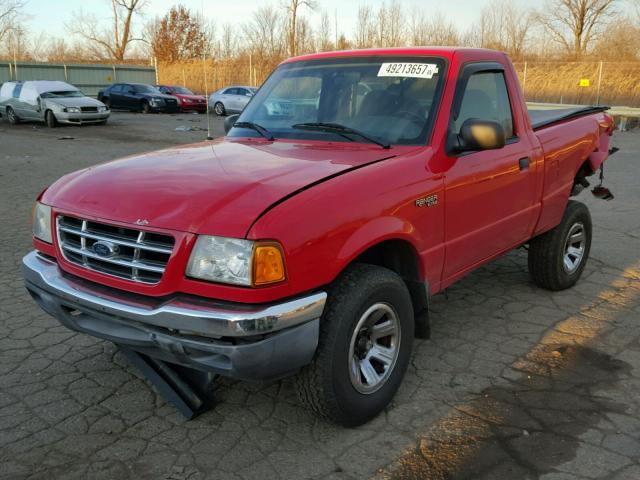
231	99
52	102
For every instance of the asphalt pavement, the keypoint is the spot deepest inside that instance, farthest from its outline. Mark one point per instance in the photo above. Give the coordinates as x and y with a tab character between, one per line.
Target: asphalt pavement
515	383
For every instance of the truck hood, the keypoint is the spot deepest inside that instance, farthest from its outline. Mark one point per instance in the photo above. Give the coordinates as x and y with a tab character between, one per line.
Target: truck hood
217	188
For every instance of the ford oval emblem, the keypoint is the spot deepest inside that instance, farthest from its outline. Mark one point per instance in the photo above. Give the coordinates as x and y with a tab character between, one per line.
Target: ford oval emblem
105	249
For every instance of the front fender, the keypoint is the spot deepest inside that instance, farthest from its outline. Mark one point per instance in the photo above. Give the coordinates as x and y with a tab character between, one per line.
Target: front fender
376	231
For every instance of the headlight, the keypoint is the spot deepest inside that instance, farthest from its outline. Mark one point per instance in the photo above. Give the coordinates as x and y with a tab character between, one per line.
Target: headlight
102	109
42	222
157	101
236	261
73	109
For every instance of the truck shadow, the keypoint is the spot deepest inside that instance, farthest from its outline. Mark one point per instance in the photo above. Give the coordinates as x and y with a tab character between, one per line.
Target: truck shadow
561	395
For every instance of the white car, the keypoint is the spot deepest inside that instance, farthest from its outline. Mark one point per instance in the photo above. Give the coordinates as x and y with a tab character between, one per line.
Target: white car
231	99
51	102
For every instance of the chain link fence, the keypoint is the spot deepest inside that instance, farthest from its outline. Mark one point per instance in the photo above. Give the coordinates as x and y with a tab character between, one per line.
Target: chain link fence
589	83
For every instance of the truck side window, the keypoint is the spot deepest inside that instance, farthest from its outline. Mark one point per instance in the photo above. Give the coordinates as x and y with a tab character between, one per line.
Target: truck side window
486	98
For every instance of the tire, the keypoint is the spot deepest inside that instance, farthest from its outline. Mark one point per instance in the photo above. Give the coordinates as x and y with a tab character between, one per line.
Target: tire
558	257
12	118
327	386
107	103
219	109
50	119
145	108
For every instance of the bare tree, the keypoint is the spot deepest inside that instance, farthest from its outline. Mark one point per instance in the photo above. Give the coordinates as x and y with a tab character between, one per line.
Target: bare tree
575	24
294	7
434	30
365	29
616	44
113	42
323	40
10	11
505	26
264	33
228	44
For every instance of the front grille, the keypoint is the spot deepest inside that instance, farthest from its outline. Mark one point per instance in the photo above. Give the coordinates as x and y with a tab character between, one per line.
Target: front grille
171	101
89	109
122	252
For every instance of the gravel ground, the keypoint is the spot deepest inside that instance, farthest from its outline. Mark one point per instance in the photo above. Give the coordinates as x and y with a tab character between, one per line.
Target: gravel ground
516	382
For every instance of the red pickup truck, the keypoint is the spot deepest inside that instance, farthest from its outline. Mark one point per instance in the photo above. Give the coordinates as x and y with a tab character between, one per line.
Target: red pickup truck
353	186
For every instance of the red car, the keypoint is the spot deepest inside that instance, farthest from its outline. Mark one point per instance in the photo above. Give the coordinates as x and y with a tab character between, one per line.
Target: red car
353	187
189	101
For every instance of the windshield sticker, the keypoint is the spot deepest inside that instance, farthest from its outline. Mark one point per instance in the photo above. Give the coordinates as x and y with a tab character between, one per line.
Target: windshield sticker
415	70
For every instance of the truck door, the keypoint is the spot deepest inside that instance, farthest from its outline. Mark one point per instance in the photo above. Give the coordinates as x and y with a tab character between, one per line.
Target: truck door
490	194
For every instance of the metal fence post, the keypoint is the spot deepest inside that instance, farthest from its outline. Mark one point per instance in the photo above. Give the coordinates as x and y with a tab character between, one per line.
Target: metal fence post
10	71
599	82
66	78
524	81
155	67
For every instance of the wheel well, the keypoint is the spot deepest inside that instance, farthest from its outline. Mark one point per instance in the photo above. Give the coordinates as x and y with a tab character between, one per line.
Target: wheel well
580	181
401	257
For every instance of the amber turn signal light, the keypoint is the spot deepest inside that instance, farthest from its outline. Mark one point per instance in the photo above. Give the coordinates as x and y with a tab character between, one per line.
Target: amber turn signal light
268	264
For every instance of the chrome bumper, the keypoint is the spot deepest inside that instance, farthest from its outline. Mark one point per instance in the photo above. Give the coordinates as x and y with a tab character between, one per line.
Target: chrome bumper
236	340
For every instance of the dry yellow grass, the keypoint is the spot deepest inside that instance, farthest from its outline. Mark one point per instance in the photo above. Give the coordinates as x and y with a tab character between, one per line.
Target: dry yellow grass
559	82
554	82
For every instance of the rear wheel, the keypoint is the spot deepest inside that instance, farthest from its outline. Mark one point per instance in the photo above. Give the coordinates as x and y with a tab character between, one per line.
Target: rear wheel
50	118
12	117
366	334
558	257
219	109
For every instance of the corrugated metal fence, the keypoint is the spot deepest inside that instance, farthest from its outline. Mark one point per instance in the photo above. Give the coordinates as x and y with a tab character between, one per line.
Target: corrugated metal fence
88	78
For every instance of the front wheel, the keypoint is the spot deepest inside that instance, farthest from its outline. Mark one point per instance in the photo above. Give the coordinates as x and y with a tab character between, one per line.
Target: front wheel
12	117
558	257
50	118
366	334
146	108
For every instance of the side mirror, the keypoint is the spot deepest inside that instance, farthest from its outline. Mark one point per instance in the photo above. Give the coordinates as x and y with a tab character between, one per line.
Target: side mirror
478	134
229	122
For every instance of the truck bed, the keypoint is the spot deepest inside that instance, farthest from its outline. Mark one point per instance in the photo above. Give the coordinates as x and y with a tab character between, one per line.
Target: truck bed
541	117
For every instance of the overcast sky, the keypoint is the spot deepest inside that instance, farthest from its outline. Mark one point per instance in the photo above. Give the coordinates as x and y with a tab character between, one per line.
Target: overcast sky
50	16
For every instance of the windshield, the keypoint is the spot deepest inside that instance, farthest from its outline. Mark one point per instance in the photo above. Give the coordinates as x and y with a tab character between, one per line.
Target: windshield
390	99
145	89
182	91
68	93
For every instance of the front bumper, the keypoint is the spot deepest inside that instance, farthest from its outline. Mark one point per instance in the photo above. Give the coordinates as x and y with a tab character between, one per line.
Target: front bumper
80	118
247	342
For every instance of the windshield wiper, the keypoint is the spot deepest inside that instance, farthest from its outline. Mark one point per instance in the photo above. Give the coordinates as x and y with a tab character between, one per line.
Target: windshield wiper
339	129
258	128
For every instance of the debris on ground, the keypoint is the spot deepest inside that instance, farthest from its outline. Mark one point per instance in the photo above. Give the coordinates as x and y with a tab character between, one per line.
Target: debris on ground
66	138
187	128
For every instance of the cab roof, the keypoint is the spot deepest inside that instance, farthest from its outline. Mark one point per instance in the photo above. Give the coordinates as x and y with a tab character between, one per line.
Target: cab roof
446	52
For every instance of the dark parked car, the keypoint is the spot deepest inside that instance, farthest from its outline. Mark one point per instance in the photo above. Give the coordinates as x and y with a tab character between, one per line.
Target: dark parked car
138	97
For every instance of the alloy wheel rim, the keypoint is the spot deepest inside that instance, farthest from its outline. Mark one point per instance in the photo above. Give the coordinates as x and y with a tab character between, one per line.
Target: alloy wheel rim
374	348
218	109
11	115
574	248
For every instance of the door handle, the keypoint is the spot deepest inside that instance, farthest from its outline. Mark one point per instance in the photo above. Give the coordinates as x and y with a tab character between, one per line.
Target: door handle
523	163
